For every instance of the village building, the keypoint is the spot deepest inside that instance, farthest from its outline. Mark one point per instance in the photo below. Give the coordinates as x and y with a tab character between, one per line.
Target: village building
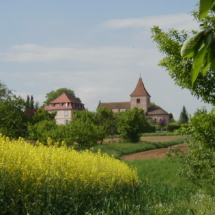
63	105
139	98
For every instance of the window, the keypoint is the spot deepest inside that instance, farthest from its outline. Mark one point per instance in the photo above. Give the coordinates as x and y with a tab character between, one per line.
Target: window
66	113
67	104
138	101
61	104
66	122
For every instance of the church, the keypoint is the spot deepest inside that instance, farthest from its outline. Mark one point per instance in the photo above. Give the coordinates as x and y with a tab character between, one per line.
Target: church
139	98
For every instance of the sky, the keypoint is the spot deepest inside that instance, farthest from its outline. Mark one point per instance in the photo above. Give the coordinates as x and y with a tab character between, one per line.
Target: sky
97	48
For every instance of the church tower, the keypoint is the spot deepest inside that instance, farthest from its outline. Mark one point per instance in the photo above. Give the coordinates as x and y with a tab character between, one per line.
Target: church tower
140	97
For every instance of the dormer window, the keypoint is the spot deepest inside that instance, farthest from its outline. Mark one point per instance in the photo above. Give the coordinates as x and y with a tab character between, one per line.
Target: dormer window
138	101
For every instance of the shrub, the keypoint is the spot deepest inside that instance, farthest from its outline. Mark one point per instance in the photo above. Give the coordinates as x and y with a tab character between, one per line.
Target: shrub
150	129
131	124
199	161
172	127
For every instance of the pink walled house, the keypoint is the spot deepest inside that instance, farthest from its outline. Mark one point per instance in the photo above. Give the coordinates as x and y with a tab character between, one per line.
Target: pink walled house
139	98
63	105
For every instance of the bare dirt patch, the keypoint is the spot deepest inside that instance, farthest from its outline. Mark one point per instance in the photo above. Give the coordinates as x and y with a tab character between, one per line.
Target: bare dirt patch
156	153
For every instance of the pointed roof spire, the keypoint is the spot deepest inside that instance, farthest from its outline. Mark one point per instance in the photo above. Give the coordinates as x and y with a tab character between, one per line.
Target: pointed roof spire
140	89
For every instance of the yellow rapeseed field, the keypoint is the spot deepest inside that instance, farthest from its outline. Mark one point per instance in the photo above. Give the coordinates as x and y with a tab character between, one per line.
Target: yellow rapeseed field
37	173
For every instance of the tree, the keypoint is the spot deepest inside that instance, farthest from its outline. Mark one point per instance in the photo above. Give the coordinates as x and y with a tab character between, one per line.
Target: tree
183	116
162	123
170	43
190	61
32	103
171	118
4	91
41	114
131	124
107	118
13	119
152	104
199	161
85	129
201	46
27	106
55	93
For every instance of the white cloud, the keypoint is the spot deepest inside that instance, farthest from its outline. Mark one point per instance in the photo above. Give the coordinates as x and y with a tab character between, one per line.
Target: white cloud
101	55
176	21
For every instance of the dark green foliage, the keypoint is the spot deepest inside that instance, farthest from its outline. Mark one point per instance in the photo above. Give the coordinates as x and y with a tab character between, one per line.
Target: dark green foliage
42	130
108	120
55	93
173	126
13	120
150	129
199	161
152	104
183	116
27	107
85	129
131	124
4	91
41	115
202	128
32	103
170	43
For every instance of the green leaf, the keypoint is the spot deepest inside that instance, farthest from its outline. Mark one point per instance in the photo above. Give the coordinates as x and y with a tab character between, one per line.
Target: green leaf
212	55
208	38
207	61
204	7
198	63
192	44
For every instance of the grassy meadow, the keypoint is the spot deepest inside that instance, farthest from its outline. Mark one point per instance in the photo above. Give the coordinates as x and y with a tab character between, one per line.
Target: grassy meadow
122	148
62	181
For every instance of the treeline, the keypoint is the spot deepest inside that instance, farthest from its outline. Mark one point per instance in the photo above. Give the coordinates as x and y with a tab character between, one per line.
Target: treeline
20	118
88	128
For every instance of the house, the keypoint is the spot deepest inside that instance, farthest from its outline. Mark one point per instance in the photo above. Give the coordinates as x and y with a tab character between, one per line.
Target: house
139	98
63	105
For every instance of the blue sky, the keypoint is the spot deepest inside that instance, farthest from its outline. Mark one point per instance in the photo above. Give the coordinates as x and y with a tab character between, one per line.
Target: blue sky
98	48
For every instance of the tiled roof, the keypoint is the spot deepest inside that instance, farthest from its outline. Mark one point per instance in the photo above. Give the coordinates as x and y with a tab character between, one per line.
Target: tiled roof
64	97
140	89
156	111
65	102
115	105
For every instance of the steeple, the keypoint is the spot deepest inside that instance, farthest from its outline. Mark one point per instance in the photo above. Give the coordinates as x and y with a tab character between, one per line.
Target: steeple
140	89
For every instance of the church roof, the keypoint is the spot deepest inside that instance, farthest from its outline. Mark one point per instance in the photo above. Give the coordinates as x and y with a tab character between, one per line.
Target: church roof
156	111
64	97
140	89
115	105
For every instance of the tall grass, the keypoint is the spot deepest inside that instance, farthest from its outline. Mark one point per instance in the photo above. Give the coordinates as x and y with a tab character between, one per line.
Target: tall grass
119	149
161	170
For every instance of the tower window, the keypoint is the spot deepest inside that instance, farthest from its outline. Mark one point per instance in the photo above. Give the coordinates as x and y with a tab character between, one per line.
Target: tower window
138	101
